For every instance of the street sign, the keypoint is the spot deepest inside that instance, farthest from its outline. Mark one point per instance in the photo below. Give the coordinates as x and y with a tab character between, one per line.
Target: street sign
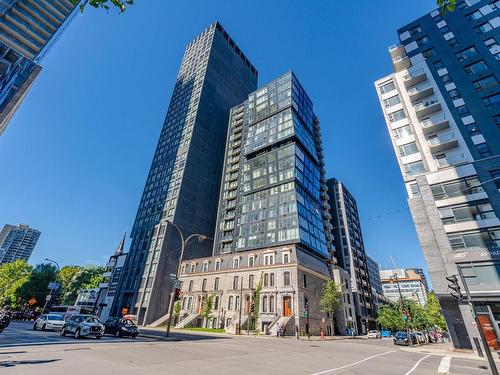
177	284
173	276
53	286
32	301
48	297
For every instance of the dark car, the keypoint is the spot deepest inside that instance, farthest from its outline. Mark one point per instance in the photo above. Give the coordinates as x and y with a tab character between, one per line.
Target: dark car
401	338
120	327
17	315
83	326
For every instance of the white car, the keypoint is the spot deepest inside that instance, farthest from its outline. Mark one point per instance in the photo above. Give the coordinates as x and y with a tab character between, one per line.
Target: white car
48	321
374	334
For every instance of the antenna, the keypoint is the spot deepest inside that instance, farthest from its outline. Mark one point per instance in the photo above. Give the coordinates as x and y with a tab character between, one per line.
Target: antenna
392	260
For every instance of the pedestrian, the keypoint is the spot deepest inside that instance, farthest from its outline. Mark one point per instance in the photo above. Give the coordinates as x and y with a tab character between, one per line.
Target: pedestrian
278	330
297	331
283	330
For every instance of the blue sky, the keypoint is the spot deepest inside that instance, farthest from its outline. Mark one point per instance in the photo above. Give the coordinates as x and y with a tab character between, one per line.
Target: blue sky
76	155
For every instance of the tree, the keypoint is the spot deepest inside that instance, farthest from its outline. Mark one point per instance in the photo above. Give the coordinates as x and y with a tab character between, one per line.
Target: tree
177	310
434	312
106	4
446	5
12	277
418	316
330	299
390	317
38	283
85	278
65	277
256	301
207	307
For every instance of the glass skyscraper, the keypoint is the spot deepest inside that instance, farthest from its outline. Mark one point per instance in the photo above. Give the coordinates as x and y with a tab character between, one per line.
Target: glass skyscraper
27	30
442	108
274	187
184	179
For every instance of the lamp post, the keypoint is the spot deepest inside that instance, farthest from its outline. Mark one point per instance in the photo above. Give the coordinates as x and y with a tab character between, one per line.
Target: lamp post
395	277
49	296
201	237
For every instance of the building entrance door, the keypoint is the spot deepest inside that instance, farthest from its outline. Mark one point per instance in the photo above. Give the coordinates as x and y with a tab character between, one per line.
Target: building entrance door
287	306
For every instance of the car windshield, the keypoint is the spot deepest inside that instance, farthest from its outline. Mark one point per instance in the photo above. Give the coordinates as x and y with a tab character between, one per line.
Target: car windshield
400	335
372	331
127	322
91	319
54	317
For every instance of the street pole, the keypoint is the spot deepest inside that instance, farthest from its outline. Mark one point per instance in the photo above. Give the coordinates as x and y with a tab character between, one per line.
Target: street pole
241	300
171	302
49	296
491	362
406	320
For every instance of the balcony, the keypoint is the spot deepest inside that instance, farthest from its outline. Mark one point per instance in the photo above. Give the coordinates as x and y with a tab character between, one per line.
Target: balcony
434	124
427	107
419	92
442	142
414	76
451	160
400	63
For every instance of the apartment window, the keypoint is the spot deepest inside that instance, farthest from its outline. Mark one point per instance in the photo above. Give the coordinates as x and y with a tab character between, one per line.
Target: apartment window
463	110
485	83
286	278
236	263
456	188
492	101
415	168
457	214
453	42
264	304
484	150
495	176
217	265
271	279
251	261
402	132
204	285
467	53
304	280
438	64
250	281
230	303
454	94
429	53
472	129
235	282
492	44
387	87
268	259
286	258
486	239
496	118
423	41
193	267
408	149
216	303
190	287
415	190
237	303
393	100
205	267
271	304
183	269
446	79
266	279
415	29
477	67
216	283
396	116
484	28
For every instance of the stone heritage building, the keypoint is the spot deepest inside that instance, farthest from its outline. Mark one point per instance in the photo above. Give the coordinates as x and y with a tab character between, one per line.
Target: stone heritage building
272	224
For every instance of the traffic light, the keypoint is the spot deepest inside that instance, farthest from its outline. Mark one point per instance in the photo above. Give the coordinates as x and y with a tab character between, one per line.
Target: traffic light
454	286
306	311
177	294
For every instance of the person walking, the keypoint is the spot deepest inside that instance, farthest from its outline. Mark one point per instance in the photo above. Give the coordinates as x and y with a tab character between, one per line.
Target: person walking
278	330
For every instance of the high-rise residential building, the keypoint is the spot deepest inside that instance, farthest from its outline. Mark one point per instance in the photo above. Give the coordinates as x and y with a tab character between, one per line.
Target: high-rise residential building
17	242
442	108
405	283
350	251
28	28
184	179
375	282
420	271
272	252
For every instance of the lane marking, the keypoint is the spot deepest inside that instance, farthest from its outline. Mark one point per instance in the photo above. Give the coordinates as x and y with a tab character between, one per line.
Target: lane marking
353	364
444	366
416	364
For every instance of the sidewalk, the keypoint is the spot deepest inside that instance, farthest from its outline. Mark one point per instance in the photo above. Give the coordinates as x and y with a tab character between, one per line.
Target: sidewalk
446	350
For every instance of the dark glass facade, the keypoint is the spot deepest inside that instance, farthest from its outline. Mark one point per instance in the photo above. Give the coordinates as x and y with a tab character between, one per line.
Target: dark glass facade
183	183
273	178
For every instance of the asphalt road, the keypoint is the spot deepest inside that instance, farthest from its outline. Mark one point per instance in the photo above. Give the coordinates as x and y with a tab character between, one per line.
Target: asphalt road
26	352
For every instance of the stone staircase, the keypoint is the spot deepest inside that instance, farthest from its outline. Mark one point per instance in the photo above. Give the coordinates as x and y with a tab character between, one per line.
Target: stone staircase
188	319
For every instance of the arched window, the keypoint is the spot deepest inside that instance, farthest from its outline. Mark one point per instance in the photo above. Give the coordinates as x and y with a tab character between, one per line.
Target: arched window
190	288
193	268
271	304
204	285
230	303
251	260
183	269
236	263
271	279
217	265
264	304
216	283
183	303
190	303
205	267
266	279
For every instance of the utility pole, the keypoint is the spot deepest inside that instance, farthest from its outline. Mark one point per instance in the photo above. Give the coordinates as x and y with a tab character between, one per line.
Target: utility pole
456	287
406	317
201	237
241	303
49	296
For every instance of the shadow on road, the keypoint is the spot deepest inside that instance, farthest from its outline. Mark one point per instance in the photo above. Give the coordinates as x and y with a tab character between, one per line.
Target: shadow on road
26	362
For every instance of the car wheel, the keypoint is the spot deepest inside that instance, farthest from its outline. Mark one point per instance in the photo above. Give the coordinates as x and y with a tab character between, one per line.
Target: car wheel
34	327
77	333
118	333
62	332
134	335
98	337
43	327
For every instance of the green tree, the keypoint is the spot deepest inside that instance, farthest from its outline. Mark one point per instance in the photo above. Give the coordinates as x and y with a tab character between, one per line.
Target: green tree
256	301
85	278
330	299
434	312
12	277
390	317
446	5
38	282
65	277
121	5
418	316
207	306
177	310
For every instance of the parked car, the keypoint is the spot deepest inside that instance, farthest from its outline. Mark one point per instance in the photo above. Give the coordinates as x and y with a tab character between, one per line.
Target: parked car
120	327
374	334
83	326
17	315
401	338
421	337
31	315
48	321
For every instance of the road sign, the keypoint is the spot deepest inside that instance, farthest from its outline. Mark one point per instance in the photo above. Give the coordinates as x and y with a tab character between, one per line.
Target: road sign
177	284
48	297
173	276
32	301
53	286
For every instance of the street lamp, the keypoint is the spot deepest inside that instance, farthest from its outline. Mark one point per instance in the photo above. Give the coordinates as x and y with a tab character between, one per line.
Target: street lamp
392	278
49	296
201	237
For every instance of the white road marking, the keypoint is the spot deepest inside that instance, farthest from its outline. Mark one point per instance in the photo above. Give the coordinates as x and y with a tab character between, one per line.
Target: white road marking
444	366
416	364
353	364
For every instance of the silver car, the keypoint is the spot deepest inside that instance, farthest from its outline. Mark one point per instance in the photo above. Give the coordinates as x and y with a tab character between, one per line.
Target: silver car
83	326
48	321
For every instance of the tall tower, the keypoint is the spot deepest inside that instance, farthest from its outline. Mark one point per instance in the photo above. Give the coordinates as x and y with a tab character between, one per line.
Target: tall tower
350	252
27	30
184	179
17	242
442	108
